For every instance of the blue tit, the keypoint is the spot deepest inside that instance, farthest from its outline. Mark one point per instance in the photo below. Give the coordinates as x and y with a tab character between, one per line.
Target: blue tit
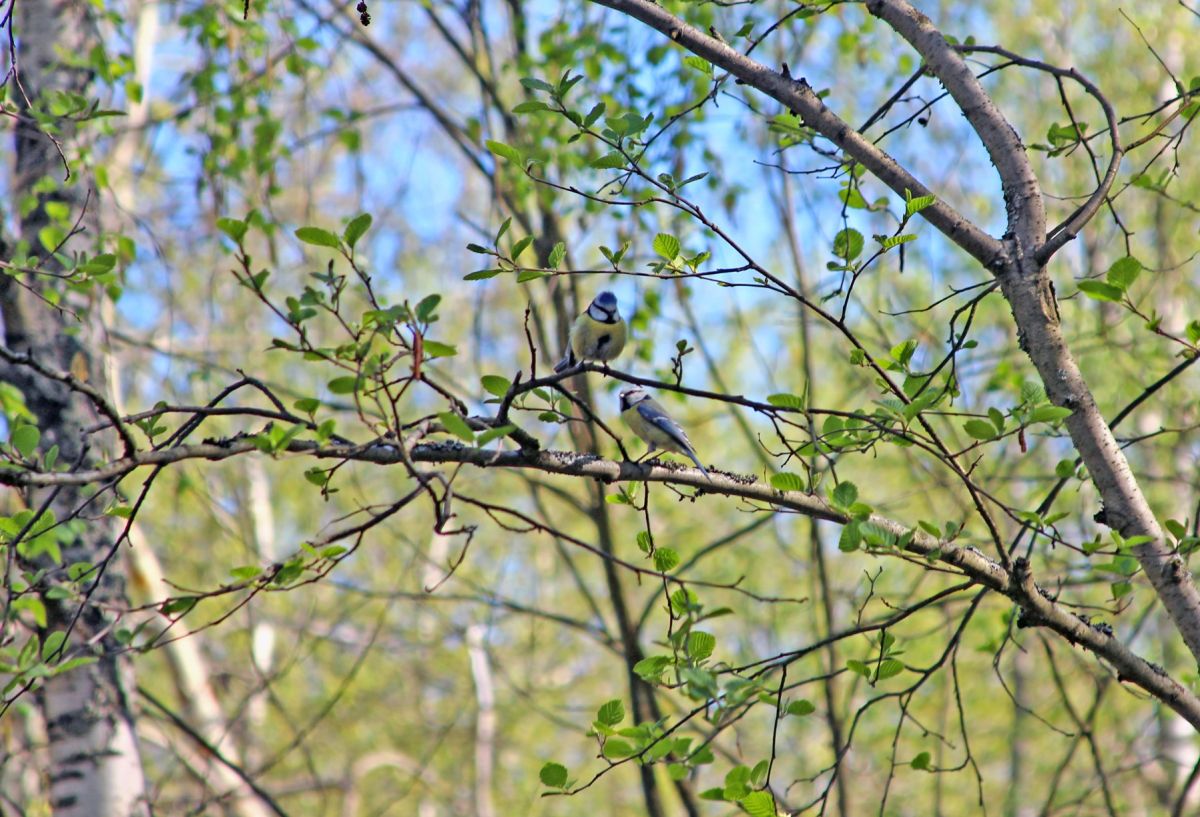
597	334
652	423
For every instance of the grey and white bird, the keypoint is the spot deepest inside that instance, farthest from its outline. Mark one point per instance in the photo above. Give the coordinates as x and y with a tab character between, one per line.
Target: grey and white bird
650	421
598	334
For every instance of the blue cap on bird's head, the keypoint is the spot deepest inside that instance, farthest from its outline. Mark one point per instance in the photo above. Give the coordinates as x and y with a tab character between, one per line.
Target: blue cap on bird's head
606	301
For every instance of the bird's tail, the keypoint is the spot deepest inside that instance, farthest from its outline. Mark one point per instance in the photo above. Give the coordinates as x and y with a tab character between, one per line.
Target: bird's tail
703	470
566	363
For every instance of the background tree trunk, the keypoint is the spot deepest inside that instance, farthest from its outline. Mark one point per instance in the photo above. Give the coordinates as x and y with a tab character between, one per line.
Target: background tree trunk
95	768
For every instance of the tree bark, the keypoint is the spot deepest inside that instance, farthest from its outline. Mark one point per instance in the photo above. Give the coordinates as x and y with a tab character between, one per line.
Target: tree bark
95	766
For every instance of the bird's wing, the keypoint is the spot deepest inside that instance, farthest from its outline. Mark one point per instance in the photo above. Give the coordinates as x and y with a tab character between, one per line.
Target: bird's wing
567	362
664	423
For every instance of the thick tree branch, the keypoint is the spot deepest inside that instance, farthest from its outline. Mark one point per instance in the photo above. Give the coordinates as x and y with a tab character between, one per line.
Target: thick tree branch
1066	231
798	97
1030	294
1018	264
1022	193
1038	608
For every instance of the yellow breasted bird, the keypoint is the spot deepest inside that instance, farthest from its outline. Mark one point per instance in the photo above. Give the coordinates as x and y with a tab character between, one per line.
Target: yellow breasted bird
598	334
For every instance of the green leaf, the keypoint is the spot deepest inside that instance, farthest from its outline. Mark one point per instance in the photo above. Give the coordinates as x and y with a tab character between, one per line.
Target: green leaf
52	644
845	494
504	151
57	210
496	433
848	244
530	106
308	405
917	204
51	237
700	645
318	237
180	605
73	663
609	161
852	197
482	274
902	352
888	668
534	84
1060	135
683	747
344	385
1101	291
520	246
557	254
434	348
874	535
665	559
1176	528
1049	414
652	668
783	400
858	667
615	749
787	481
457	426
1032	392
355	229
426	307
759	804
921	761
980	429
645	545
800	708
611	712
12	403
233	228
24	439
850	538
667	246
737	783
553	775
495	384
658	750
889	241
699	63
1124	272
594	114
37	610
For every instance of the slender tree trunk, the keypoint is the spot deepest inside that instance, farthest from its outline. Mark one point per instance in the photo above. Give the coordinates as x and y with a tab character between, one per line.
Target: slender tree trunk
485	721
95	767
